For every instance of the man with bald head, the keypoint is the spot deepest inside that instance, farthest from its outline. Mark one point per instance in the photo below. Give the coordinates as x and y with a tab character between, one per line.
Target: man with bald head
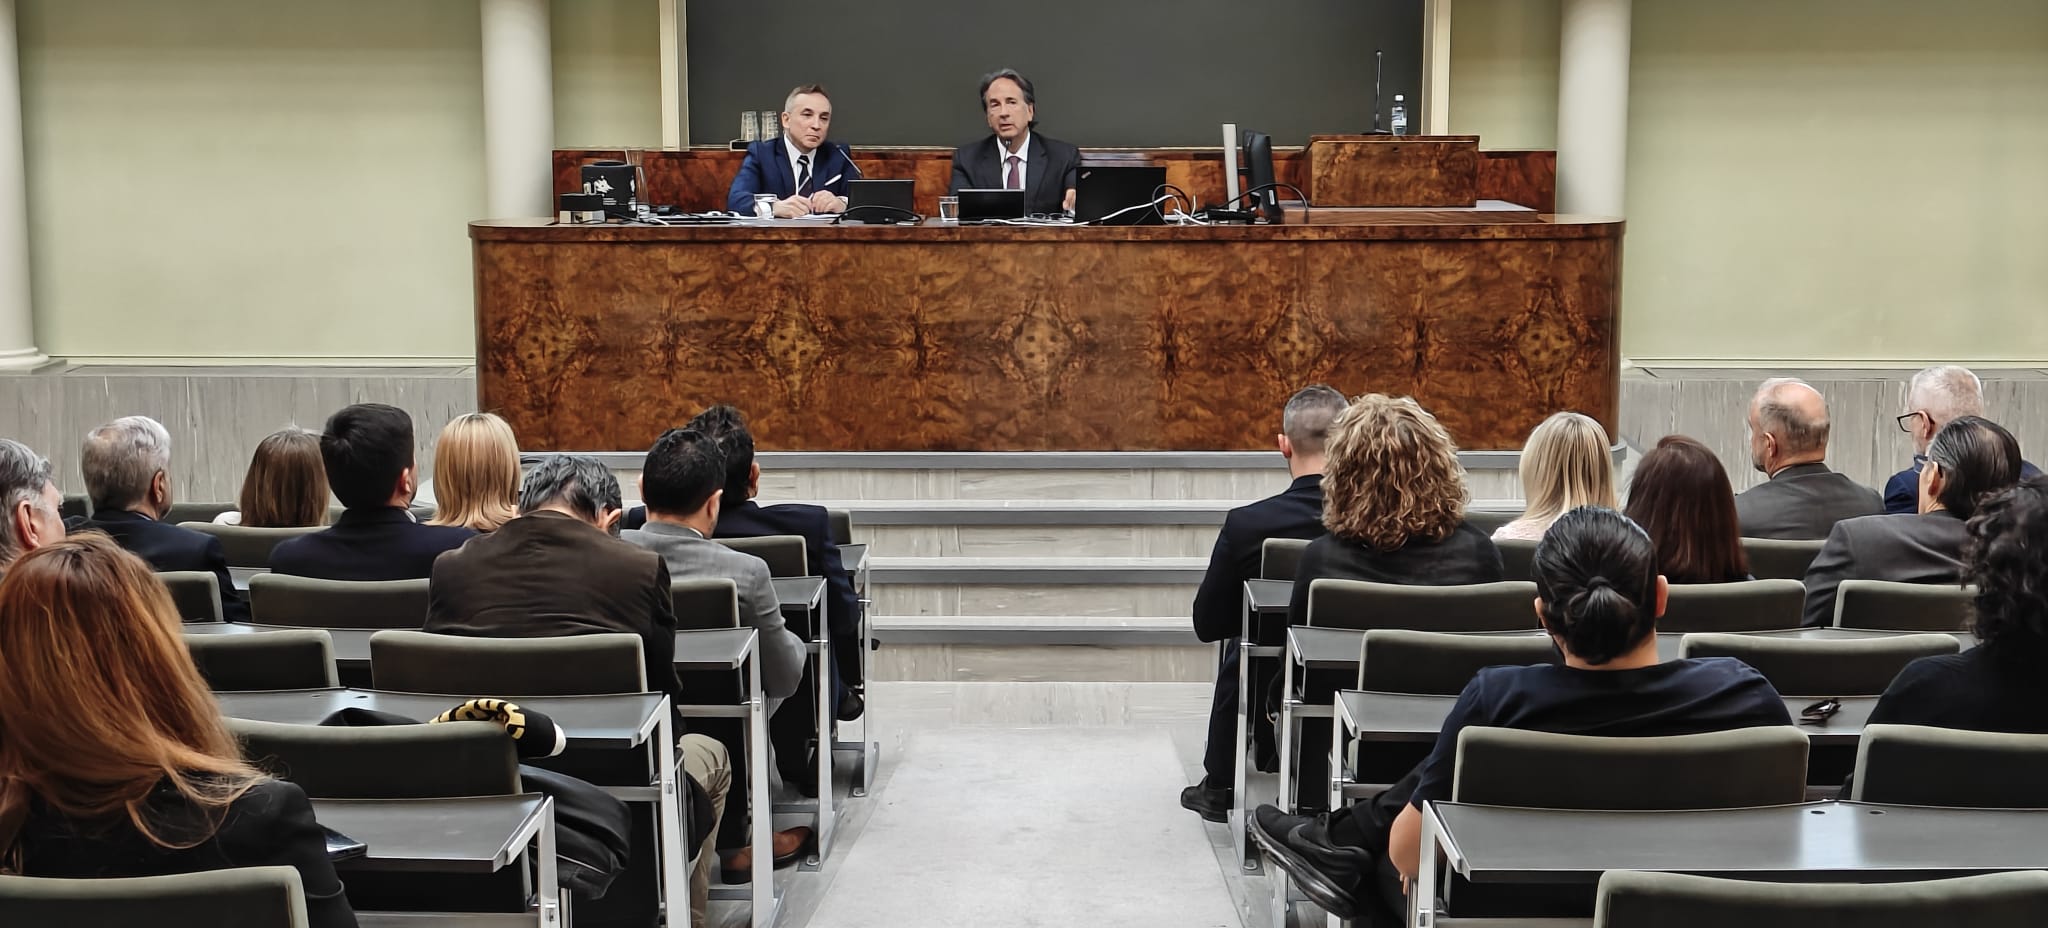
1788	441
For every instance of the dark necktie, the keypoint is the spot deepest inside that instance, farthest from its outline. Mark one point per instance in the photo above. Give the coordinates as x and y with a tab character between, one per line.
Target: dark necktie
803	175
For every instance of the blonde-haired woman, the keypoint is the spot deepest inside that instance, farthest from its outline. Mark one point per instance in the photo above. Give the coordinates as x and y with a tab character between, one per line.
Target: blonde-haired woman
1566	463
115	761
1394	504
476	473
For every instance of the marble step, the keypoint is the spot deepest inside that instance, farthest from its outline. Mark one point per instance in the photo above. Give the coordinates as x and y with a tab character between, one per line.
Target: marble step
1034	630
1088	586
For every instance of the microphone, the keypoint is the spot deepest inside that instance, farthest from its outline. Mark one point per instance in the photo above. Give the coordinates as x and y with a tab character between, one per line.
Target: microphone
1377	56
847	153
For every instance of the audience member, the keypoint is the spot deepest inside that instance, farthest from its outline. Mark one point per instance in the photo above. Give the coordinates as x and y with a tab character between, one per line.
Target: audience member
476	473
286	486
1566	463
127	468
114	761
682	483
1969	458
555	570
1681	497
1788	441
1394	505
740	517
1598	596
33	516
1296	512
1997	685
368	453
1934	398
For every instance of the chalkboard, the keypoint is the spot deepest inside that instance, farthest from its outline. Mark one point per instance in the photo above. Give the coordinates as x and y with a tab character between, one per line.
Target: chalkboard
1108	73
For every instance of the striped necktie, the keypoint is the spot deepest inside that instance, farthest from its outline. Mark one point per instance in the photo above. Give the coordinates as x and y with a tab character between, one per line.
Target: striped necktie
803	175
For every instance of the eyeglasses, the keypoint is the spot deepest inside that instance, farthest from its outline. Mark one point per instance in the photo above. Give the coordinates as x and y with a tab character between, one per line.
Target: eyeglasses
1820	712
1905	423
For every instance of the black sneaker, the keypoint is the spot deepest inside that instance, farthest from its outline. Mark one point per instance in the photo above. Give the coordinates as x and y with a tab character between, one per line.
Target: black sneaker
1213	805
1327	873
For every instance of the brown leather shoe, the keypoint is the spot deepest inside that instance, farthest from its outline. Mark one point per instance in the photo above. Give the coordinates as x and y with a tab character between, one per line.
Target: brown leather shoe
738	867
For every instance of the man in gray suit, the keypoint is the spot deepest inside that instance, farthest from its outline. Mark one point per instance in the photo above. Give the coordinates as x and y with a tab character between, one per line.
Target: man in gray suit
1788	440
682	482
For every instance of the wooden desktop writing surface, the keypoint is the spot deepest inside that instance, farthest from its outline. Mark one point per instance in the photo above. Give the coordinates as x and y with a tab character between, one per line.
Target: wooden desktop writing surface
1394	171
996	338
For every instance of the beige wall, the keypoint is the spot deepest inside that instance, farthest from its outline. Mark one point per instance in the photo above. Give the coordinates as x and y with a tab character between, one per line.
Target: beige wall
1814	182
282	179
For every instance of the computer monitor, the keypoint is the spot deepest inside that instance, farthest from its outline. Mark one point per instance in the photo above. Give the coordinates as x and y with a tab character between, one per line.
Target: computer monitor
880	201
1258	164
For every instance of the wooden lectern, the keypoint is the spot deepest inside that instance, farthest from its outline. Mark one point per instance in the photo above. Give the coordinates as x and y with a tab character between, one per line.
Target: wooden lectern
1434	171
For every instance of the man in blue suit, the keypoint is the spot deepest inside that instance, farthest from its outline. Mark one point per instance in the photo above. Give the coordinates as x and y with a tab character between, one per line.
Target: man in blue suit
1936	396
805	174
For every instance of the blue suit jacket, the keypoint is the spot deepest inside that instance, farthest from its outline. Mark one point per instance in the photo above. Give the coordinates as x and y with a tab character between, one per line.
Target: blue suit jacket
768	170
379	543
1902	492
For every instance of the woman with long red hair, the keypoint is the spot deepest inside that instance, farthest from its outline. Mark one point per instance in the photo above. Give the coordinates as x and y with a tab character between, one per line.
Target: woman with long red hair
114	760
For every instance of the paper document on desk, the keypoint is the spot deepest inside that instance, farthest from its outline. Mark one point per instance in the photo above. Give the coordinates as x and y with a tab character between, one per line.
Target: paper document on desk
822	217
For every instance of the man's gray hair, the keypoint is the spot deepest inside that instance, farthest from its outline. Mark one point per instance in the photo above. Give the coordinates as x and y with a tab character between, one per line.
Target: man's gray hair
23	475
578	482
1799	433
1306	421
1947	392
789	102
121	458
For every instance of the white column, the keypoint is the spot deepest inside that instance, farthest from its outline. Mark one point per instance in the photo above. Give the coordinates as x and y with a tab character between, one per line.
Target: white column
1592	107
519	109
17	314
673	21
1436	68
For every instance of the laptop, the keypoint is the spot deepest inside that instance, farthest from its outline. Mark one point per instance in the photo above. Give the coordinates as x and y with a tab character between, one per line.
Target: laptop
880	202
983	204
1102	191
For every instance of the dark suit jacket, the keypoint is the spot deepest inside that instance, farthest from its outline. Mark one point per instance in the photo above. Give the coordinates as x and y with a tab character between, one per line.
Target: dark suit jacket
1296	512
271	825
384	543
1466	556
1902	492
1803	502
768	170
1912	548
546	574
1051	168
169	547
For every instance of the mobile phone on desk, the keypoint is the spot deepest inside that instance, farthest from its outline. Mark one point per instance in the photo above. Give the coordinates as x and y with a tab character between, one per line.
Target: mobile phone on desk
341	847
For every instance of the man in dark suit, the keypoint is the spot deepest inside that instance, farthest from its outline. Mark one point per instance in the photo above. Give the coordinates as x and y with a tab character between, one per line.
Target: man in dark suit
127	468
367	450
1788	441
1968	459
1935	397
1296	512
1014	156
805	174
32	515
556	570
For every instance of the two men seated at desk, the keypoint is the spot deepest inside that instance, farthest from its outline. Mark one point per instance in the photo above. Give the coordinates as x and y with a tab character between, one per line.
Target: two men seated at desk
1013	157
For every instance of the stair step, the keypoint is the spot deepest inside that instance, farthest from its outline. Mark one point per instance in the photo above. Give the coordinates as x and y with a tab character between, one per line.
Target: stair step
1061	511
1037	571
1030	630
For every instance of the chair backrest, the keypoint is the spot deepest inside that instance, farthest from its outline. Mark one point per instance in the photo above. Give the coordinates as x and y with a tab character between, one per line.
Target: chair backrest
196	593
703	603
1744	606
1822	667
1779	559
1908	607
249	547
1517	558
1642	899
427	761
785	554
1486	520
1280	558
841	526
241	897
75	506
276	599
1922	766
182	512
287	659
1441	663
409	661
1716	770
1480	607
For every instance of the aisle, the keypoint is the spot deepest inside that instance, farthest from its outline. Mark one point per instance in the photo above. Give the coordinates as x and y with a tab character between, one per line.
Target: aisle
1022	828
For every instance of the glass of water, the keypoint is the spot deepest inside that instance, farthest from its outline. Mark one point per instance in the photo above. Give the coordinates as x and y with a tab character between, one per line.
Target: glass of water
771	124
764	206
949	209
750	126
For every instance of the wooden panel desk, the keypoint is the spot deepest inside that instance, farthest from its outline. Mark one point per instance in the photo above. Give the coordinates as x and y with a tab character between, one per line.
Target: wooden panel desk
1000	338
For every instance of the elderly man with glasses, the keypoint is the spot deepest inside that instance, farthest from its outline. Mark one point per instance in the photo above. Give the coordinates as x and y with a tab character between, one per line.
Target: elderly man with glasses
1935	397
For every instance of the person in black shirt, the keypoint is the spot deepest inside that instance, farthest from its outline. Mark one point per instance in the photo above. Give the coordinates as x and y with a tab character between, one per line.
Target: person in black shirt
1598	595
1998	685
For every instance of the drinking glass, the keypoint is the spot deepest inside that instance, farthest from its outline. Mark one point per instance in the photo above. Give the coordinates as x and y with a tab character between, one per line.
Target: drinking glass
949	209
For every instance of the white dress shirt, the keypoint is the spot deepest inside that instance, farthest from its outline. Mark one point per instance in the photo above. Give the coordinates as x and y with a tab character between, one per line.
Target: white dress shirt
1023	153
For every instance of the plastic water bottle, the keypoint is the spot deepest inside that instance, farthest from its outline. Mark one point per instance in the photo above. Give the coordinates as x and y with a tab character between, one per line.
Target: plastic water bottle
1400	116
